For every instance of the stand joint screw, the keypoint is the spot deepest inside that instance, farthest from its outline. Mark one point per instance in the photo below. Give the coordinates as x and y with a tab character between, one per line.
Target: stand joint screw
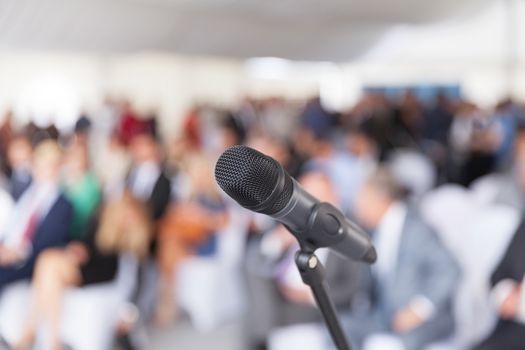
312	263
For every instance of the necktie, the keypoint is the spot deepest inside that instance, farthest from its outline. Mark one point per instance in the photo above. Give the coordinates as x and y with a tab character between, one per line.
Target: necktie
30	229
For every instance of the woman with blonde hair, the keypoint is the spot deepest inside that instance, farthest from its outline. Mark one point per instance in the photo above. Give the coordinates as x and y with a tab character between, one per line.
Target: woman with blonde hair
189	228
123	226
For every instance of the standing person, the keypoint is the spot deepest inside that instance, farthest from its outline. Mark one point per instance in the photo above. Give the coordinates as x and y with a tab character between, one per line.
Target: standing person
409	289
41	219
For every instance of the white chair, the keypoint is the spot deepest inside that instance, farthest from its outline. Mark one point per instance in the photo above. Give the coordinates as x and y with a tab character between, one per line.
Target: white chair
89	313
210	289
486	188
303	336
447	209
13	310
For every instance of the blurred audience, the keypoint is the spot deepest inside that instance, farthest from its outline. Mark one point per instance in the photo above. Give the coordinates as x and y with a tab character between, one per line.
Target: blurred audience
116	190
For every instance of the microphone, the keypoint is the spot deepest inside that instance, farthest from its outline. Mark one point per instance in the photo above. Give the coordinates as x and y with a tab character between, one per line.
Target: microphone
259	183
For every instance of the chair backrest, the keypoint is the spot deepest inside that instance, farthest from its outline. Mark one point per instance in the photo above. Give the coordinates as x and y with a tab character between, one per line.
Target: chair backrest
477	233
447	209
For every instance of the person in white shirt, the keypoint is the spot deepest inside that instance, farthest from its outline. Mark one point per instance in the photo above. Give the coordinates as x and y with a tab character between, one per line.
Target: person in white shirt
407	294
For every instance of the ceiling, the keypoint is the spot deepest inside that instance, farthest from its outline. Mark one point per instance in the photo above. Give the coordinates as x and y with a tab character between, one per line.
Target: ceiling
335	30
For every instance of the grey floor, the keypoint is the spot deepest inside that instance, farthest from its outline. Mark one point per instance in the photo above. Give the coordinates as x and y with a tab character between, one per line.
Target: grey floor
182	336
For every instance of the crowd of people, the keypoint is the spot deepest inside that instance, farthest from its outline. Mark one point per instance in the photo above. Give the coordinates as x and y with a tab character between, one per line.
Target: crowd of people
72	203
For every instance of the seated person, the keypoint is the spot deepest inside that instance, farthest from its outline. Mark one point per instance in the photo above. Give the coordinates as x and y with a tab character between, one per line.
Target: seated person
41	219
278	296
507	282
122	227
507	279
189	228
408	292
81	188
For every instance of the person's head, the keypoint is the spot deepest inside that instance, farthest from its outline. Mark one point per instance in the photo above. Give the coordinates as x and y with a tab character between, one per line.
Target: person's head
320	186
77	159
271	146
376	196
19	152
47	162
144	148
199	169
360	141
231	132
125	226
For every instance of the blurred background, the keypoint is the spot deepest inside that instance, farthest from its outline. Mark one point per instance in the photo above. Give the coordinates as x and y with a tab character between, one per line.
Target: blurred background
114	234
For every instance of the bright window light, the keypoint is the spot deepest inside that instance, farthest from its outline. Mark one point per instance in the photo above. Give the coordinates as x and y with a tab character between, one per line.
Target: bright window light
48	98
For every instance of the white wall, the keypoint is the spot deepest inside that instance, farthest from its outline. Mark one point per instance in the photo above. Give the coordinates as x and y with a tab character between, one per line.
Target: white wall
164	83
170	84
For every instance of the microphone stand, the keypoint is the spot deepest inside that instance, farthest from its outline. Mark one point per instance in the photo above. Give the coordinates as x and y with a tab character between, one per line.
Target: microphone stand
313	275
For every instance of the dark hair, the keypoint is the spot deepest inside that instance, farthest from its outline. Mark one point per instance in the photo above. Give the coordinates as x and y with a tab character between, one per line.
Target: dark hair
231	123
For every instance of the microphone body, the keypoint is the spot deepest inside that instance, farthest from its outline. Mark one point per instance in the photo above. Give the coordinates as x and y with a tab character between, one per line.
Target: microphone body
319	224
259	183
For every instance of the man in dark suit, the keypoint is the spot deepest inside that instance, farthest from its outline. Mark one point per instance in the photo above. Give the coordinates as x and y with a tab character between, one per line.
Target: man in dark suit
407	294
507	279
148	182
147	179
40	220
507	292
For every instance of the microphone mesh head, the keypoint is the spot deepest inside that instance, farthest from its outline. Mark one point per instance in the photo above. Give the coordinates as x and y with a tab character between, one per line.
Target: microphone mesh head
250	178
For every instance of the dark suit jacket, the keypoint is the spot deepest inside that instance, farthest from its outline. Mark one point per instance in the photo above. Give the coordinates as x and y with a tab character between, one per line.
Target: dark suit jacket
160	196
52	231
509	335
101	266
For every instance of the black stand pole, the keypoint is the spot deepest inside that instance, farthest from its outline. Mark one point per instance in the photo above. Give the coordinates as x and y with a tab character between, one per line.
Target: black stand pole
312	274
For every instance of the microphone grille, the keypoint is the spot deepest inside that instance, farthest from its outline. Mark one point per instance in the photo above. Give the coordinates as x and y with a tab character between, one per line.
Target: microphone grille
250	177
